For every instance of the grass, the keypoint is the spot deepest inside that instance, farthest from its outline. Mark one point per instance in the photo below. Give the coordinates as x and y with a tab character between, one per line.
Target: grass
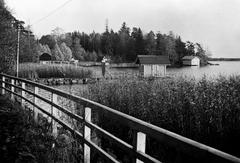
33	70
205	110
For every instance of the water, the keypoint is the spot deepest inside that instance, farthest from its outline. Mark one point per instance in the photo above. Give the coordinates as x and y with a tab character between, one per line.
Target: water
225	68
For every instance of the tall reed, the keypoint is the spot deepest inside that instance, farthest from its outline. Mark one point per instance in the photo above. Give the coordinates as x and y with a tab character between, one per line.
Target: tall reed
205	110
32	70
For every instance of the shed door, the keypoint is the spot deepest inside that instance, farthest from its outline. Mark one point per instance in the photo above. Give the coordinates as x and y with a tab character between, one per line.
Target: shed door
159	67
147	70
154	69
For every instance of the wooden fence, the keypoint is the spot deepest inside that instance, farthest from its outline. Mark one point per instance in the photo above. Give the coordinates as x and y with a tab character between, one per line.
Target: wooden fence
136	150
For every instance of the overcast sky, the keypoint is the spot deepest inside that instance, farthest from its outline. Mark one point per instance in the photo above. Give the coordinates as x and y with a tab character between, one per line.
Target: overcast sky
213	23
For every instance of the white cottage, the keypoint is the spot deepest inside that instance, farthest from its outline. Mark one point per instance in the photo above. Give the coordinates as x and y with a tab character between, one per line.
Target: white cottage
191	61
152	65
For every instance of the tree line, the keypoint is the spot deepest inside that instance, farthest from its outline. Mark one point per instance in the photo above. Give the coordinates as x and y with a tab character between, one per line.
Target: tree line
9	38
121	46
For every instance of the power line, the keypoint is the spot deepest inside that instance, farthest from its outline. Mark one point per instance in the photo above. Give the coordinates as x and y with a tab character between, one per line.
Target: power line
52	12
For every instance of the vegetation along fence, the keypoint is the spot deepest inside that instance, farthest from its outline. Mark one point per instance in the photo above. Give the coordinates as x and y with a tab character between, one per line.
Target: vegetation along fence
21	89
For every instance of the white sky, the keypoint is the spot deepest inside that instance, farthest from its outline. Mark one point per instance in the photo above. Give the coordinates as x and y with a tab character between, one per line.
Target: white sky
214	23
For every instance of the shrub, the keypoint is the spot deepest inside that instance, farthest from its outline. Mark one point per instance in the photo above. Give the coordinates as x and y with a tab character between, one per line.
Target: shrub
24	140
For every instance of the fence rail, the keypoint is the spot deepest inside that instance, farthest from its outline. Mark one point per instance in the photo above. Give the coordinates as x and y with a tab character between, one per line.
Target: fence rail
142	129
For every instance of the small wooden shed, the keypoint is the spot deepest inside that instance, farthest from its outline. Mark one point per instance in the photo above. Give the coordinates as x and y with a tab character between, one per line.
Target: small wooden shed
45	57
152	65
191	61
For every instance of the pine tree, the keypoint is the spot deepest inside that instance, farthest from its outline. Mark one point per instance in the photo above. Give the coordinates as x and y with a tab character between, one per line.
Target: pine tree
201	53
57	53
78	51
48	40
160	44
106	43
66	51
190	48
180	49
124	35
170	50
150	43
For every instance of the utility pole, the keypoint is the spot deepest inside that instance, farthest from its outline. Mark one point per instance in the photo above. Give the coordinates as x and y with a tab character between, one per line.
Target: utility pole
29	42
18	47
19	27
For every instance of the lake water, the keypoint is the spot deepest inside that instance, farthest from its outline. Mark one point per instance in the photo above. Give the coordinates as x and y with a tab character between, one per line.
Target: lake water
225	68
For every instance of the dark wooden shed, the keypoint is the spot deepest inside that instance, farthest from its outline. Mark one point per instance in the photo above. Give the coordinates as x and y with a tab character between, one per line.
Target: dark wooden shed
45	57
152	65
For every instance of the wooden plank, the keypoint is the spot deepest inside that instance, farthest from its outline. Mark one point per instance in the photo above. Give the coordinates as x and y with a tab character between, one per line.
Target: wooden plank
87	134
140	144
23	94
3	84
54	113
12	89
35	101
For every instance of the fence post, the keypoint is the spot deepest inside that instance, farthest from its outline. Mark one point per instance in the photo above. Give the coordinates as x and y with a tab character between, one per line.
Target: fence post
139	143
23	93
54	113
3	85
12	89
35	110
87	134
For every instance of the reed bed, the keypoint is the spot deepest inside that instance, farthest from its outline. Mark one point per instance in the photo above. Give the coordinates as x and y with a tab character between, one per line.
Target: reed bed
206	110
33	70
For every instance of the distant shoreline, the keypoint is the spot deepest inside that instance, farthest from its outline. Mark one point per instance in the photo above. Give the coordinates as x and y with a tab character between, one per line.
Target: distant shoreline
223	59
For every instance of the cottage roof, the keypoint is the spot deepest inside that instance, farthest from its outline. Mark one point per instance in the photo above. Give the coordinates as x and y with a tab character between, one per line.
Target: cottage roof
189	57
152	59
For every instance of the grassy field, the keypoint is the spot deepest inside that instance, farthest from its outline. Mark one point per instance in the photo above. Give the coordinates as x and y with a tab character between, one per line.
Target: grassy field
205	110
33	70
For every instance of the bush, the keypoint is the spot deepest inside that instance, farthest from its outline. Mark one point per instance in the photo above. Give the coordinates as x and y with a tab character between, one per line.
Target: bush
22	140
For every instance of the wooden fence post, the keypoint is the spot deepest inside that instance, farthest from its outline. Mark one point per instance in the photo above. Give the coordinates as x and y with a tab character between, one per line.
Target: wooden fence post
139	143
35	110
3	84
54	113
87	134
23	93
12	89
